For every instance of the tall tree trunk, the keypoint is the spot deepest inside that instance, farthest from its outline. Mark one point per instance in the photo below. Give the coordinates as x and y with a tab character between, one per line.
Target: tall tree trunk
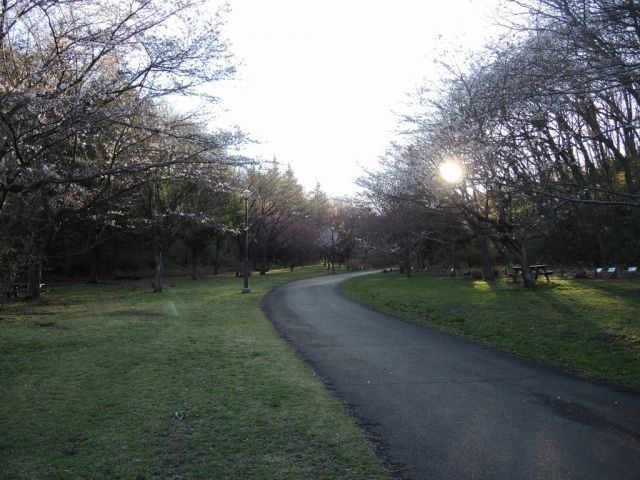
34	276
487	263
158	265
488	272
527	276
241	265
599	226
407	261
420	255
454	253
194	264
34	272
93	268
263	259
216	258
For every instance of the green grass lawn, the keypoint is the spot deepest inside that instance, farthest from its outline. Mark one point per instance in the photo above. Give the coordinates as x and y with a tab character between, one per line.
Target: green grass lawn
114	382
587	327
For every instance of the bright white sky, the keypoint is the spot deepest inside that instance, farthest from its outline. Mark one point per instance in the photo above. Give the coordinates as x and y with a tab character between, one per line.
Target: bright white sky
319	81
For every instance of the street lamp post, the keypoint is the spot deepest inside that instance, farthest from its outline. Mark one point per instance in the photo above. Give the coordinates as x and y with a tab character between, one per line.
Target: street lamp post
333	249
246	288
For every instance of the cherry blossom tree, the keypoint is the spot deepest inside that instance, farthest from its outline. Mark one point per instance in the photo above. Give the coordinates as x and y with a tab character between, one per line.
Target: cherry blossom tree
82	86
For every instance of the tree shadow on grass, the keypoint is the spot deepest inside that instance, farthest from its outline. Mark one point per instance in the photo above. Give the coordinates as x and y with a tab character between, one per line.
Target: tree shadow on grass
624	291
132	312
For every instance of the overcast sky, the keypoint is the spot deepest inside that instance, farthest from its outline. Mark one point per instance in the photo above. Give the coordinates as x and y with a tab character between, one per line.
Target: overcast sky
319	81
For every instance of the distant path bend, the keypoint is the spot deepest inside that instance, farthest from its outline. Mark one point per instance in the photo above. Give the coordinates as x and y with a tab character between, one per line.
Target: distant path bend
451	409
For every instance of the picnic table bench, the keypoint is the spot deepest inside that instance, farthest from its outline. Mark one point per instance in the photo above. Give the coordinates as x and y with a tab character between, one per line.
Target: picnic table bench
537	270
13	289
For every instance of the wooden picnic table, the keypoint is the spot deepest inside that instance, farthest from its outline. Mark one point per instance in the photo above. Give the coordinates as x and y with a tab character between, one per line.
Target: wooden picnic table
537	270
13	289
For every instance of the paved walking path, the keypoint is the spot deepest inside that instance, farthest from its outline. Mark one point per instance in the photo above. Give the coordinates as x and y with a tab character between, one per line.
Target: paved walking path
450	409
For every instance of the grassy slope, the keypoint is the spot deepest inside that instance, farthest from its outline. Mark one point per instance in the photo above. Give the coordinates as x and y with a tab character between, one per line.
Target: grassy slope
591	328
111	381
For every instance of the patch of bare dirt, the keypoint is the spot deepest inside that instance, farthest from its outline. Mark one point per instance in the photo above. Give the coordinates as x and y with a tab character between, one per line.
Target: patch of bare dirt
178	465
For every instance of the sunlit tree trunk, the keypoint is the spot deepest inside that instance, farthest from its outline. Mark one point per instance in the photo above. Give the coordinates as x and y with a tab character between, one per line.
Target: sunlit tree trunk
487	263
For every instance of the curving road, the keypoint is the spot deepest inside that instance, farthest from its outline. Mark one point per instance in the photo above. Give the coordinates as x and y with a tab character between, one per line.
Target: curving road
450	409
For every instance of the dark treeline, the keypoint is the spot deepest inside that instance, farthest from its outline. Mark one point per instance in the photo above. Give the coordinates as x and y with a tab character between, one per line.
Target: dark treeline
544	123
195	228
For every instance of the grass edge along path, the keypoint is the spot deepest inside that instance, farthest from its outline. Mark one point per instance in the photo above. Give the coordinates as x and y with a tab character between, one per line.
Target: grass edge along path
114	382
588	328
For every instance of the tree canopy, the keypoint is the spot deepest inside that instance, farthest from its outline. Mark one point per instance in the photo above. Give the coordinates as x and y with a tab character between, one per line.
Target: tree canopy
544	123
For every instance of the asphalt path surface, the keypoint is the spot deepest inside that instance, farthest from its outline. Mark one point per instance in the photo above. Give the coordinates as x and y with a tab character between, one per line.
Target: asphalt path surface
447	408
